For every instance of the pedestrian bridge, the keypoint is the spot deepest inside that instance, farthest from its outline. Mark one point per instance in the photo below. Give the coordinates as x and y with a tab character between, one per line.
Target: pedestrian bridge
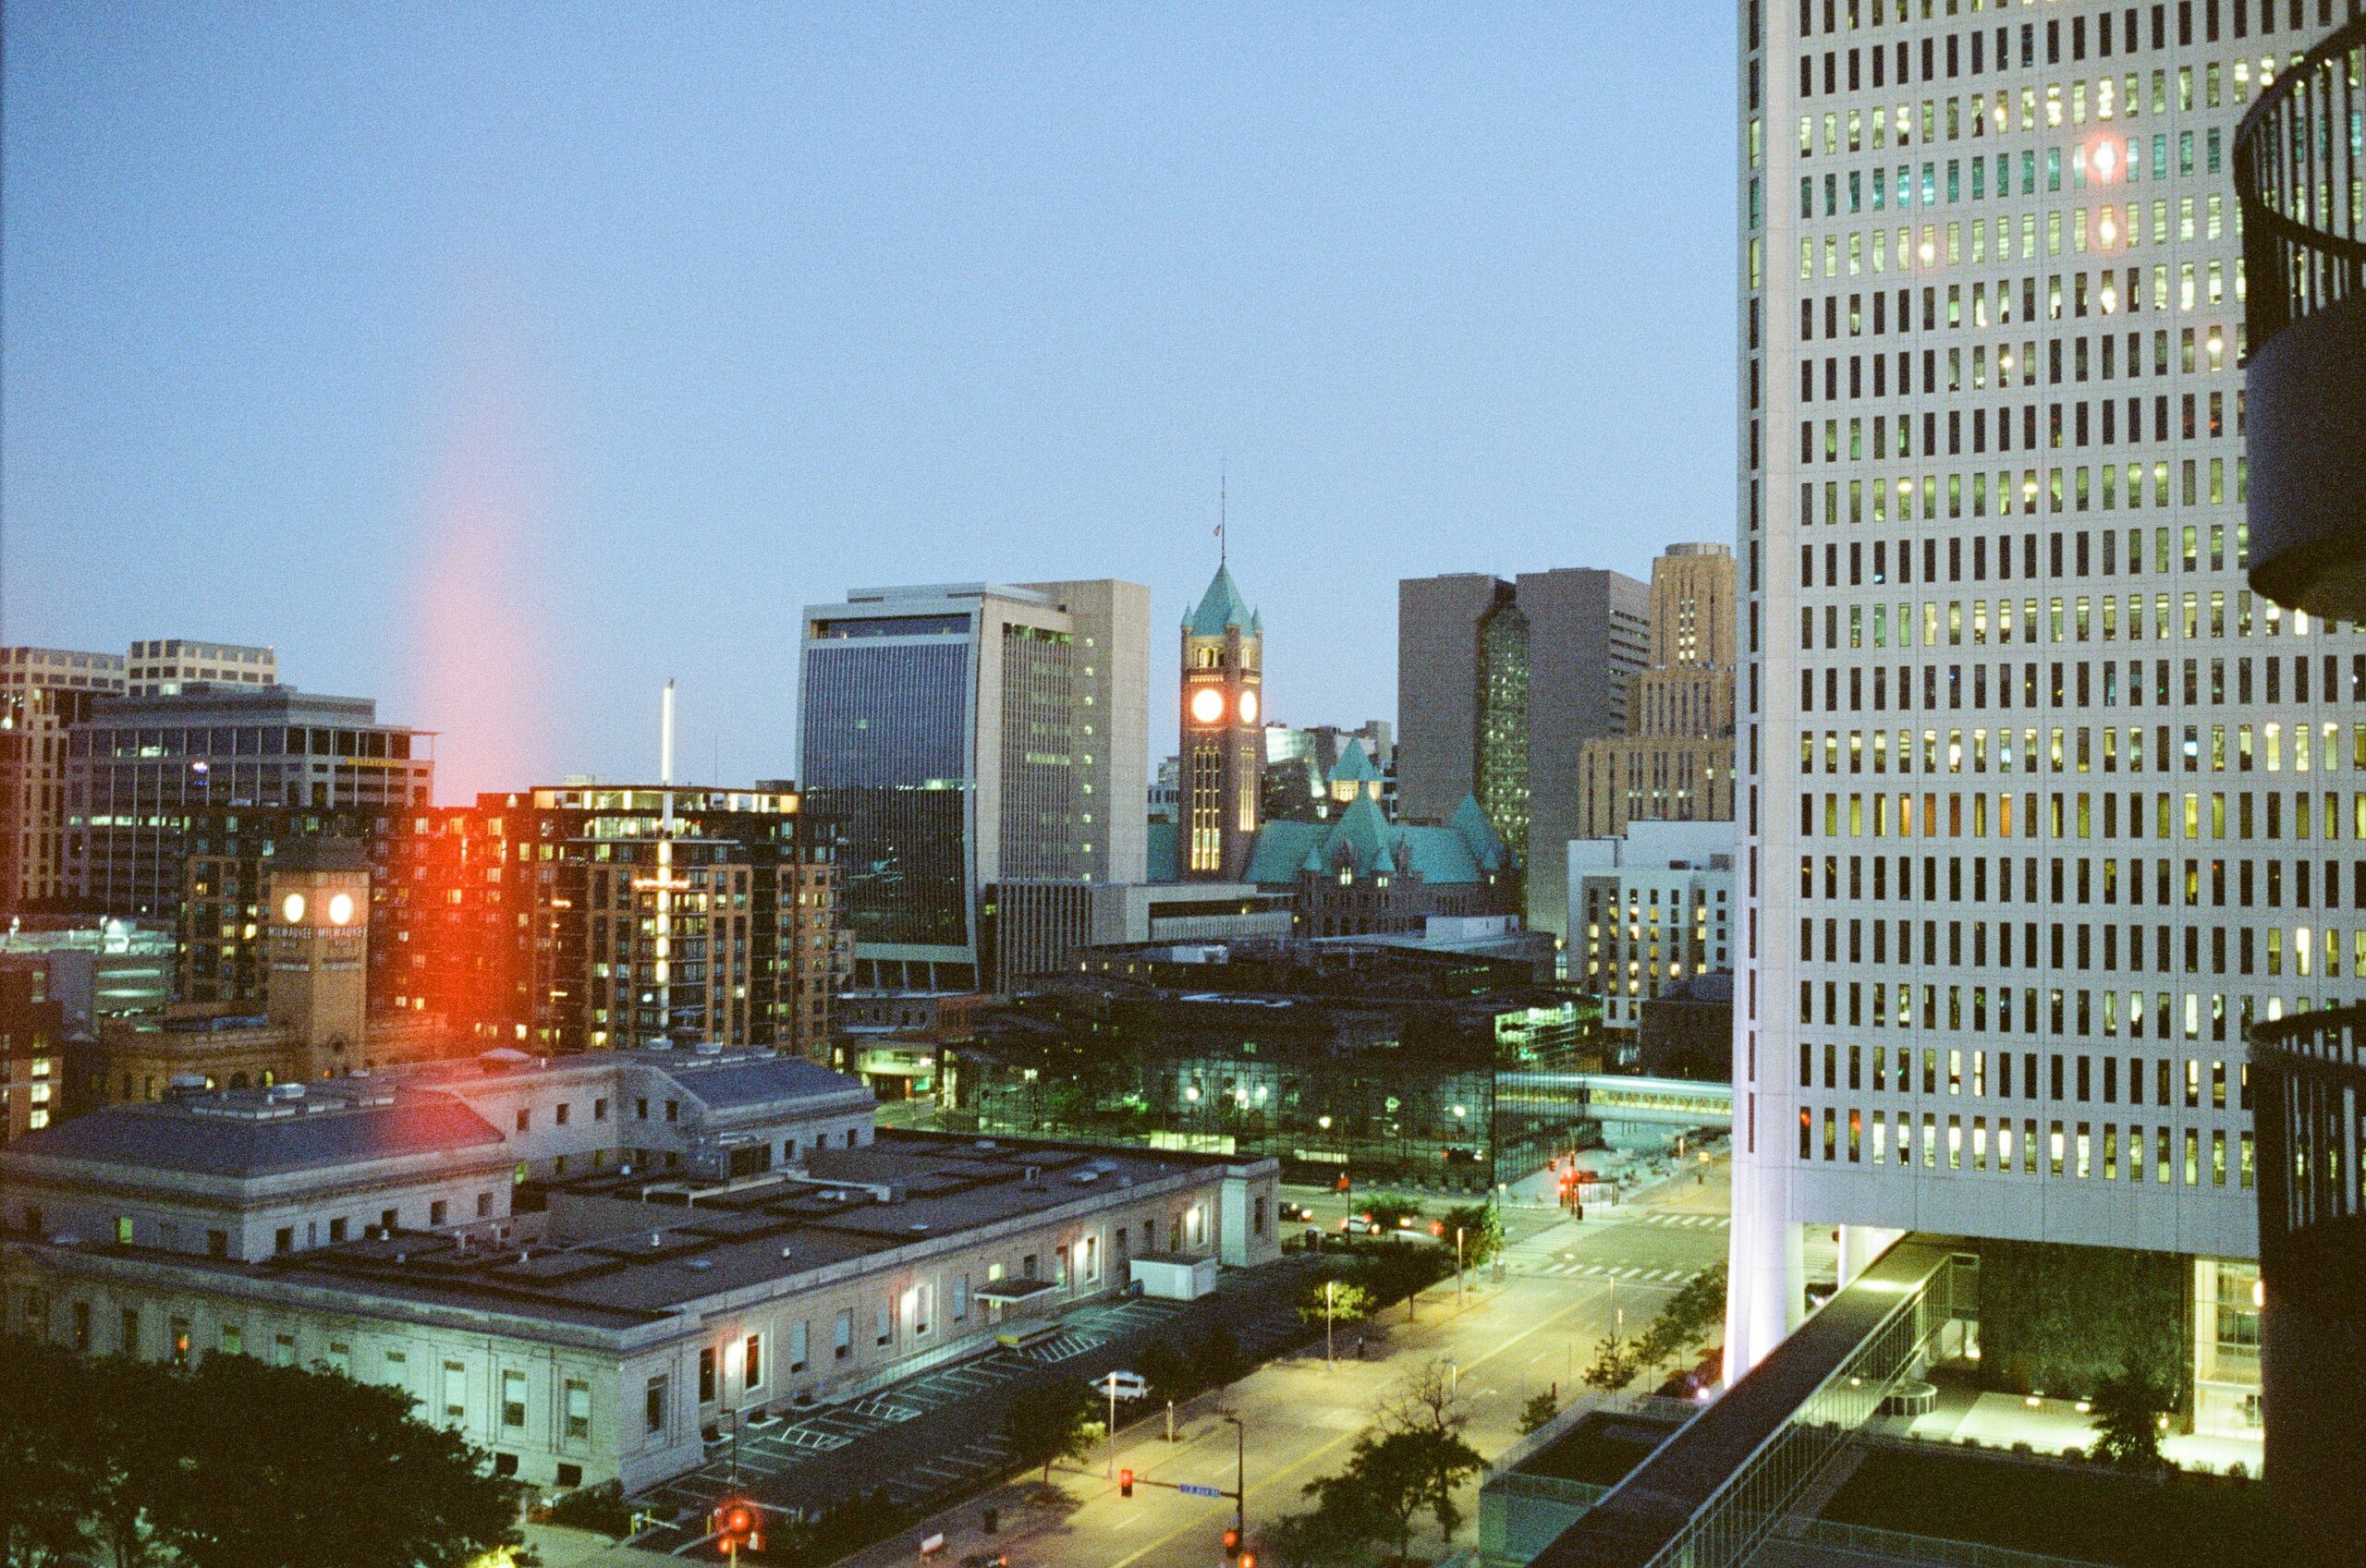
1620	1096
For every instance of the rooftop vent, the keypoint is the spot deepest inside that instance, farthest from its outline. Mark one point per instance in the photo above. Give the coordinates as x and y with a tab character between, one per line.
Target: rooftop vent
698	1265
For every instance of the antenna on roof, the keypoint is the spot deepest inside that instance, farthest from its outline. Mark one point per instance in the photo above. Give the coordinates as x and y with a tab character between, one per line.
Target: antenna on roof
1223	474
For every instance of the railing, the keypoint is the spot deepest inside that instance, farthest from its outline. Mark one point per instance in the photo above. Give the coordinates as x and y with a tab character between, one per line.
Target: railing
2299	155
1930	1550
1745	1510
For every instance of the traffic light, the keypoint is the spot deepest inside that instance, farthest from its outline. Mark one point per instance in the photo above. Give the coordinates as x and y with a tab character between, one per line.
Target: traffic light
1126	1482
1248	1559
1437	1228
1232	1543
737	1523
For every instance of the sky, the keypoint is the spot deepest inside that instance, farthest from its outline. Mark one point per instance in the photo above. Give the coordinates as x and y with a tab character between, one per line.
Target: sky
500	362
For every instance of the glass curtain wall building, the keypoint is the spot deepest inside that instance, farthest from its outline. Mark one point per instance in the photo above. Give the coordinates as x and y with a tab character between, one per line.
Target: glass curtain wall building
964	736
2042	804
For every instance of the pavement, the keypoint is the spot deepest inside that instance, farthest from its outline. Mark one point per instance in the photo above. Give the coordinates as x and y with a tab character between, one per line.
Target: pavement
1527	1328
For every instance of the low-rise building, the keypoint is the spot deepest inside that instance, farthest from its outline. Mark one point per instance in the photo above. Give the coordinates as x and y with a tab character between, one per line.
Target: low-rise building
583	1264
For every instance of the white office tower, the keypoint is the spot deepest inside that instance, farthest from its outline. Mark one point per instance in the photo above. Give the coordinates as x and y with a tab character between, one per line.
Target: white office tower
2041	804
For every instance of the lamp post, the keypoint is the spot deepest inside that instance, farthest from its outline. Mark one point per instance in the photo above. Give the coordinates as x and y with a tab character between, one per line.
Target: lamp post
1330	1288
1113	1423
1240	1475
1457	1268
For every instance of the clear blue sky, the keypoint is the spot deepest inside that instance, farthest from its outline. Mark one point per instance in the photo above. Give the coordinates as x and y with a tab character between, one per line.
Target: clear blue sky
499	361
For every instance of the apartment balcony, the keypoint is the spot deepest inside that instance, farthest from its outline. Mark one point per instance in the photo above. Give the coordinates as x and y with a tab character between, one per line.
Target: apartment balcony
2298	169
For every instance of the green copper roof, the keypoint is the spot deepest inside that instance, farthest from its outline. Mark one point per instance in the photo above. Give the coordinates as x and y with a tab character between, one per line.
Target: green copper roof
1465	850
1487	847
1353	766
1221	607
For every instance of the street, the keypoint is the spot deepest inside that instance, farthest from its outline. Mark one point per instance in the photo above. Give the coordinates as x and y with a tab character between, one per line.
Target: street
1563	1287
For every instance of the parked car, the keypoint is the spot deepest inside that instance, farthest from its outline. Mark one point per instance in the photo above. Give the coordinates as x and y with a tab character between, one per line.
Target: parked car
1297	1211
1131	1385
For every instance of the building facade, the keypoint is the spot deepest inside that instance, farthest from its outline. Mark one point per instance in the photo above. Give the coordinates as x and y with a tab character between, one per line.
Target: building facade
1676	761
2041	806
966	734
1221	785
1499	685
44	692
141	771
32	1032
170	665
710	1235
1654	912
532	919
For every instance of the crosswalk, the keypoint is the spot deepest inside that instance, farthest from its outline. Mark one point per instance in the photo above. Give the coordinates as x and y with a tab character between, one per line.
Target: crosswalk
1683	1221
1567	1271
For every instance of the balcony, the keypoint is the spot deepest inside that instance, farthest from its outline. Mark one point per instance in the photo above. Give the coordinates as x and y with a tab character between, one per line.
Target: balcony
2298	167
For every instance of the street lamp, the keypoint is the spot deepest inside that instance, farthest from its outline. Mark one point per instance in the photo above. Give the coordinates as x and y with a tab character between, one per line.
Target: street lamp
1112	1421
1330	1288
1240	1472
1457	1268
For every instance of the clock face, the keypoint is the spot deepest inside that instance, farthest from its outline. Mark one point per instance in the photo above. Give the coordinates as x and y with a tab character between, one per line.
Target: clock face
1247	706
340	909
291	908
1207	705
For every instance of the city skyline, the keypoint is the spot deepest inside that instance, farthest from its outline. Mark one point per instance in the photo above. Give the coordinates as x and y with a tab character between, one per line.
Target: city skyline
385	392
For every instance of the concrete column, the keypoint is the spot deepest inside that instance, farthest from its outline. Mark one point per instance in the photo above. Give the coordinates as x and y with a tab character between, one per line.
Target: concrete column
1766	1268
1860	1244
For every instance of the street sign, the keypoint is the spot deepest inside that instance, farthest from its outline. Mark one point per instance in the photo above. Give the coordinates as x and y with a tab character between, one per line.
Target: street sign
1188	1489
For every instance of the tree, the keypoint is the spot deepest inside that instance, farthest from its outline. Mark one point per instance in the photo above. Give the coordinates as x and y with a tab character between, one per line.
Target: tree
1383	1490
2128	1411
1482	1232
281	1465
1217	1359
1166	1370
1335	1300
1427	1411
1051	1422
1543	1407
1336	1533
1613	1367
234	1465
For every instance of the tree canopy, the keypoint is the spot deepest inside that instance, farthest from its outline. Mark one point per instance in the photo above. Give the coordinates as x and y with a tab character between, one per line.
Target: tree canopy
233	1463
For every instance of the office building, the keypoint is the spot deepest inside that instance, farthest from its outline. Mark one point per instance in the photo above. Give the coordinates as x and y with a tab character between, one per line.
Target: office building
592	916
141	771
1654	911
43	693
2042	806
32	1035
1032	929
1676	761
963	735
711	1236
96	968
171	665
1499	685
1221	695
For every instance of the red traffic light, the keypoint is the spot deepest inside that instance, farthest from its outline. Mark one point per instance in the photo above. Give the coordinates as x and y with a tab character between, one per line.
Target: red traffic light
736	1521
1248	1559
1231	1543
1437	1227
1126	1482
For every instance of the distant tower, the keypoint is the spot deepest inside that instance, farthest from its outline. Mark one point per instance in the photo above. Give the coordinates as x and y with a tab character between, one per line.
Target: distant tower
1223	743
319	947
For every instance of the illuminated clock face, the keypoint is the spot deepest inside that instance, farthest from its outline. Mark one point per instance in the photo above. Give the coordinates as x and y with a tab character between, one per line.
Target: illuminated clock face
1207	705
291	908
1247	706
340	909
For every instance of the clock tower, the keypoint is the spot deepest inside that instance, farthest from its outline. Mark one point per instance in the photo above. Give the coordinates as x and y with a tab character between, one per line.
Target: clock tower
1223	734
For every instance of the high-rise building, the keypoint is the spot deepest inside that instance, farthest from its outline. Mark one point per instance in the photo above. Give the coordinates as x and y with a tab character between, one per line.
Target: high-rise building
141	773
2041	806
532	918
963	735
1499	686
1676	761
167	666
1653	910
1222	693
43	693
1312	774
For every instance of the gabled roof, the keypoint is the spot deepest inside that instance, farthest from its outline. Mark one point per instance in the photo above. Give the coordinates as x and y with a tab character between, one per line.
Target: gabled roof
1220	607
1353	766
167	1136
1487	846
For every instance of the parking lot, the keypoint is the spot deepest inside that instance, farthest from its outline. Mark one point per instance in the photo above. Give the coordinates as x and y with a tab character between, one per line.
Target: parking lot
936	1436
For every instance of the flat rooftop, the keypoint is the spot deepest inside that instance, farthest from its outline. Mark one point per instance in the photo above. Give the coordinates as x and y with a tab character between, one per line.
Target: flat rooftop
628	1247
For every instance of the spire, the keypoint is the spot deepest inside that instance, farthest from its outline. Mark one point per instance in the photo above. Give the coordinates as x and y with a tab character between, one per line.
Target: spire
1220	607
